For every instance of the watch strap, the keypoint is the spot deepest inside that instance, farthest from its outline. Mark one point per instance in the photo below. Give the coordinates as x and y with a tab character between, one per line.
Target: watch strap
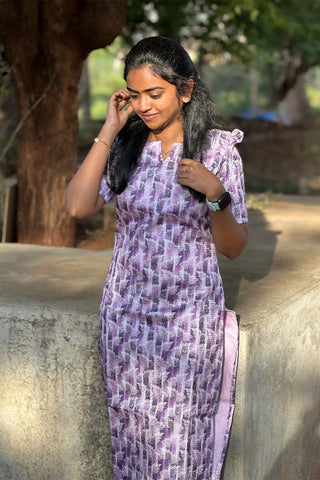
219	205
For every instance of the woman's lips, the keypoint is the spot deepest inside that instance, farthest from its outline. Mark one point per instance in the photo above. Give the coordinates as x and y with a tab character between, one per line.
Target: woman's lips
149	117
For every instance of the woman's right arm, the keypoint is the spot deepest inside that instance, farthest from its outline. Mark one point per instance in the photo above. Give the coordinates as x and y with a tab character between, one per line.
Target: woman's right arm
82	197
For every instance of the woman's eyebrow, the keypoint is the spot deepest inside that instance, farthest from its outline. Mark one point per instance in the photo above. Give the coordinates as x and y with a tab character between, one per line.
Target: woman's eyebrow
146	90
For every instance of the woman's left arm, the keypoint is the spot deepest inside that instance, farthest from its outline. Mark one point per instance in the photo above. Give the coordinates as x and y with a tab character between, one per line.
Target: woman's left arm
229	236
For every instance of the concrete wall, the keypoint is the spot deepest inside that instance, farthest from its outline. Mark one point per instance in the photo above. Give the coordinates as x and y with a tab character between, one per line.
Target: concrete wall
276	431
53	415
53	418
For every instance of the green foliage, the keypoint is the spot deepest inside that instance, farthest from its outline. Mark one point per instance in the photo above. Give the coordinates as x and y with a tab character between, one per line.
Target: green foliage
285	40
313	89
279	37
105	72
228	83
209	25
283	36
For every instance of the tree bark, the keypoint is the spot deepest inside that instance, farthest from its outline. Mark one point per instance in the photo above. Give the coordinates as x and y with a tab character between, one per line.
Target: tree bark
254	87
46	44
295	107
84	99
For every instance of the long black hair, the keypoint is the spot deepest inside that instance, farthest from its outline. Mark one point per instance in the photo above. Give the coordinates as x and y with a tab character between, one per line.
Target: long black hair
170	61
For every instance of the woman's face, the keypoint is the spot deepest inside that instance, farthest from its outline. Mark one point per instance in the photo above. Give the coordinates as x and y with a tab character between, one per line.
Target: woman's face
154	100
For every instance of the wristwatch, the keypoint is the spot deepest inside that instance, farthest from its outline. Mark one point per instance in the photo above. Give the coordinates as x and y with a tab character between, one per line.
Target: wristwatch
221	203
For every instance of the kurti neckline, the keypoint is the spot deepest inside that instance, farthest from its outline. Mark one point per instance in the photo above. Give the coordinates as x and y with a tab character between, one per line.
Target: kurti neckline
158	143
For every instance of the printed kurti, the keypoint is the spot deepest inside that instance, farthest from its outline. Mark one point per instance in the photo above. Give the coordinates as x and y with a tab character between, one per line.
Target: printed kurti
168	365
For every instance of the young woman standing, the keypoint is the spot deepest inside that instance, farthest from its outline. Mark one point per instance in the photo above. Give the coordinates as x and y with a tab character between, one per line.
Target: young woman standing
168	346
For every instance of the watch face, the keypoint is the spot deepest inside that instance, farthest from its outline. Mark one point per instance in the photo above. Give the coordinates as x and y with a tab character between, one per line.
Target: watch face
224	200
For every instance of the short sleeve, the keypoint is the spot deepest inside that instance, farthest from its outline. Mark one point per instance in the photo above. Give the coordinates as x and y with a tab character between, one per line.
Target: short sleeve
105	192
224	160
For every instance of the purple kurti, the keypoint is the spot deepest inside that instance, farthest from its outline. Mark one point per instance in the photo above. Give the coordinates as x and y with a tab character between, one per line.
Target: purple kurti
168	347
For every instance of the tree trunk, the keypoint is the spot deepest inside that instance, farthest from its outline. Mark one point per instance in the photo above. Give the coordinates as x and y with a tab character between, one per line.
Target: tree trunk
46	43
254	87
84	101
8	163
295	107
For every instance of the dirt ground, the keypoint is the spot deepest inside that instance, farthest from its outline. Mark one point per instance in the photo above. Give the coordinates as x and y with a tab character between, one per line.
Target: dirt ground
276	159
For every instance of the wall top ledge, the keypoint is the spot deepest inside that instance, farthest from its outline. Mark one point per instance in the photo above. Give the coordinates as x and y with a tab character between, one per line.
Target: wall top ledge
280	264
67	279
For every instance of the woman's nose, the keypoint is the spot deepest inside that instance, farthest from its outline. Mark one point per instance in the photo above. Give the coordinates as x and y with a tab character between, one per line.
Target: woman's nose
144	103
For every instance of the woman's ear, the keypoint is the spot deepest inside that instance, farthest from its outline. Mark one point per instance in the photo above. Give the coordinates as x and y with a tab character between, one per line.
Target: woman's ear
187	96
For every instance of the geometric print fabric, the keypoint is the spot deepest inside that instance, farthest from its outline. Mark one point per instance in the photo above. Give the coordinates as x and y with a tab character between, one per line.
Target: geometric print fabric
162	318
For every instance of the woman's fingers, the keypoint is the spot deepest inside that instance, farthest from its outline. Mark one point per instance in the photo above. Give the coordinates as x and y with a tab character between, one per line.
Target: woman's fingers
188	168
119	108
195	175
120	99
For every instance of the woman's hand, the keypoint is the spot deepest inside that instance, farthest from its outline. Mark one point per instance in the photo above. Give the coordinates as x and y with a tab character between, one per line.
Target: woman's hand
228	236
195	175
117	113
83	199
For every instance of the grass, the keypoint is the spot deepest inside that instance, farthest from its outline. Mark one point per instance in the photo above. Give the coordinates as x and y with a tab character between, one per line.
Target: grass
259	201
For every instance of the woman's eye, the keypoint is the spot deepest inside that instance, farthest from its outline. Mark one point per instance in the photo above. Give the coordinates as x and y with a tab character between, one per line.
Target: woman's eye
156	96
133	97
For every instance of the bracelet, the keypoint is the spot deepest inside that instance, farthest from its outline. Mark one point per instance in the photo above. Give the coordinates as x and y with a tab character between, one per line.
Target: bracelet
105	143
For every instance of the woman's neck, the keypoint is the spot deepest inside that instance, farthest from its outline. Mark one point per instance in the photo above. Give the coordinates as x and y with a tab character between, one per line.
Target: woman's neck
167	136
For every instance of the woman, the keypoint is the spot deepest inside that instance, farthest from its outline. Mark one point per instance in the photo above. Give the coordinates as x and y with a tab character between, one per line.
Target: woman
168	347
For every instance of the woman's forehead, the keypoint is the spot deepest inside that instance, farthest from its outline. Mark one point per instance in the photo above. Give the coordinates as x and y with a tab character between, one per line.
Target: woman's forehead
143	78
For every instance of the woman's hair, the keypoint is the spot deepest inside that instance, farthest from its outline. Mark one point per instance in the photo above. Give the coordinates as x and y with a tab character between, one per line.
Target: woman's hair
170	61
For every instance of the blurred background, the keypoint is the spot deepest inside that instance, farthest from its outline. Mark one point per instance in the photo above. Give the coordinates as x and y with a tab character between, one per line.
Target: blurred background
260	60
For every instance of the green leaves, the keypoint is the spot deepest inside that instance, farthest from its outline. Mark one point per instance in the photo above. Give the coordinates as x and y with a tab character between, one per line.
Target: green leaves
241	28
282	37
